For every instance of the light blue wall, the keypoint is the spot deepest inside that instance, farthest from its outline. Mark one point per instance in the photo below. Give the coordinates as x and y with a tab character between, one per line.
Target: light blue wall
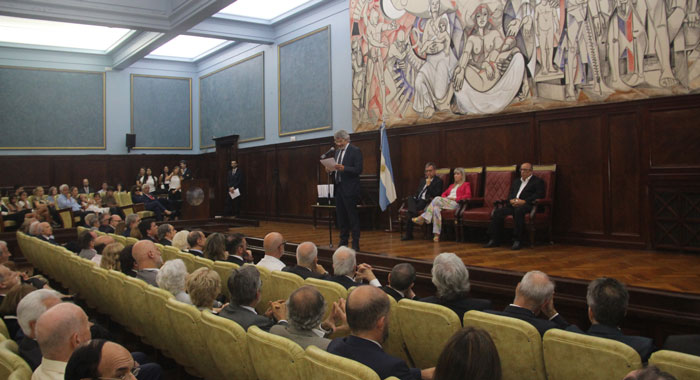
334	13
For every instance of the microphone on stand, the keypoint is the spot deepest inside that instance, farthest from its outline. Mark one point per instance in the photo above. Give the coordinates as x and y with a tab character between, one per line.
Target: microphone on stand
331	150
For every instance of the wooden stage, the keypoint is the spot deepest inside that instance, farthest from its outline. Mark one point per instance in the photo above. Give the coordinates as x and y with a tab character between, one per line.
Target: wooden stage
658	270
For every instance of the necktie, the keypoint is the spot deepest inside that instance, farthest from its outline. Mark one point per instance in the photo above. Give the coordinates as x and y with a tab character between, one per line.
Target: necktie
339	161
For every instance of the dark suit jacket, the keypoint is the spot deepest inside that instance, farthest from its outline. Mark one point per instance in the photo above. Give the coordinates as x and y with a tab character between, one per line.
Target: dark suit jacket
434	190
81	190
643	345
303	272
107	229
542	325
44	238
461	305
350	177
345	281
390	291
235	260
196	252
30	352
245	317
186	174
532	191
165	242
689	344
234	180
371	355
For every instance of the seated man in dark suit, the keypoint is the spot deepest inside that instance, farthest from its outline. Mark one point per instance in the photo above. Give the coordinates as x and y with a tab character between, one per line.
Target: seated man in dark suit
534	296
165	233
346	272
150	202
430	187
401	281
523	192
131	221
46	233
196	240
149	230
607	305
237	248
367	313
244	284
451	278
307	262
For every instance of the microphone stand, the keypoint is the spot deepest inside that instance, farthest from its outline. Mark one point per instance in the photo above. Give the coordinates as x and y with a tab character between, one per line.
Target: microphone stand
330	213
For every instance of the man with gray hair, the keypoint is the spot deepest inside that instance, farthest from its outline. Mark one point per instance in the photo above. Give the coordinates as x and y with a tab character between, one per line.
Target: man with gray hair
46	233
346	272
307	262
166	233
29	309
92	221
347	172
305	309
401	281
244	284
451	279
4	252
59	331
534	296
131	221
34	229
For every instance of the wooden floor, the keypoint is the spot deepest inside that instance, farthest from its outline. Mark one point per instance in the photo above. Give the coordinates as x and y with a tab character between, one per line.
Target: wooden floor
660	270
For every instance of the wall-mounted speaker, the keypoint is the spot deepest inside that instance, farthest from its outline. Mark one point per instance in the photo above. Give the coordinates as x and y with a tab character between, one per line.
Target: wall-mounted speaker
130	141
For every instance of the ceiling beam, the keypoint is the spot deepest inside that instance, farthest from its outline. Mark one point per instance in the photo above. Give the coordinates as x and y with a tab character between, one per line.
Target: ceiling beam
216	27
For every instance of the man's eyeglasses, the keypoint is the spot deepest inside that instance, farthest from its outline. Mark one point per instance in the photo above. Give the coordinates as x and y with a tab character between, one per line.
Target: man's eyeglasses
282	244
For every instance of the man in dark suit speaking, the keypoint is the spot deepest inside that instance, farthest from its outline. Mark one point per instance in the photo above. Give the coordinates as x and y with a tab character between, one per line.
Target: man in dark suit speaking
347	172
523	193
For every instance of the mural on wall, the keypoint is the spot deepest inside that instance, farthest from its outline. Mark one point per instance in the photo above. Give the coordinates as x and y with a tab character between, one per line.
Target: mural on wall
424	61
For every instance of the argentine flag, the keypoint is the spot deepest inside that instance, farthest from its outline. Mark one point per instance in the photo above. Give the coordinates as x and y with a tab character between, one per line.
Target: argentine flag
387	191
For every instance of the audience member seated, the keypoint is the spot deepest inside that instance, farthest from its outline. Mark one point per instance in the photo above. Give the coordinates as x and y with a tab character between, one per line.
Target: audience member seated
29	309
53	192
307	262
237	248
104	223
8	306
274	249
534	296
401	281
180	240
196	240
469	354
165	233
114	222
103	189
204	285
451	279
92	221
100	243
102	359
346	272
8	279
149	202
649	373
59	331
148	261
34	229
607	305
94	204
86	242
132	223
127	263
149	230
367	312
10	211
429	187
110	256
449	200
171	277
244	284
66	201
86	188
305	309
41	208
23	201
46	233
5	253
215	247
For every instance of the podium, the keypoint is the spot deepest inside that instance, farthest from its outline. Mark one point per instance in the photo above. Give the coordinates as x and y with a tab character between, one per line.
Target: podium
195	199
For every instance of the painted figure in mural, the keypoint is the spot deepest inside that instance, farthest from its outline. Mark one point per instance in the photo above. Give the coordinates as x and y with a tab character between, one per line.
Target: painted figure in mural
655	13
627	39
375	61
490	70
546	23
518	16
399	72
358	74
433	90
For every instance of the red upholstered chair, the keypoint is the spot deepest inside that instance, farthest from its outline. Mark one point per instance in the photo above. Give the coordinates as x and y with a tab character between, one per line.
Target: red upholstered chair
444	175
451	217
476	212
541	215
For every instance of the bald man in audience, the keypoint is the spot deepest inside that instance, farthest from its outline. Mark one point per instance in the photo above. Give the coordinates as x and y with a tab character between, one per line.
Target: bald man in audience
29	309
534	303
59	331
148	259
346	272
274	249
307	262
196	240
101	359
367	311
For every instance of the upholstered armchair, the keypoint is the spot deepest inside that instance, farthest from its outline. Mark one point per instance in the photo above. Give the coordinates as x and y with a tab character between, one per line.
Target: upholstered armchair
444	175
476	212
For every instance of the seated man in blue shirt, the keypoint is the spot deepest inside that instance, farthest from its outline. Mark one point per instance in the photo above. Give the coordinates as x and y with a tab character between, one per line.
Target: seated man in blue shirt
65	200
367	311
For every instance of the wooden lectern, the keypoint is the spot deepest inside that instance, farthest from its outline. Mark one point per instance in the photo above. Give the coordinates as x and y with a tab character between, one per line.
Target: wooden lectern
195	199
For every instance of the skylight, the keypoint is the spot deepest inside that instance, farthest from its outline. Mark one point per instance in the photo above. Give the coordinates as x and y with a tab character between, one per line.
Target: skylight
265	10
60	34
188	47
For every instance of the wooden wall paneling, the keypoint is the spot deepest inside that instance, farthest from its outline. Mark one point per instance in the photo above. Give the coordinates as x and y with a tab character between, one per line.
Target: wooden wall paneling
490	145
255	201
414	151
674	137
627	208
63	168
25	171
368	142
574	144
296	177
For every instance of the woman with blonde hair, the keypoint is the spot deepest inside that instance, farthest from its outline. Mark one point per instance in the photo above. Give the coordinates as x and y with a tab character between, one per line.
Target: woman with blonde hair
180	240
449	200
204	285
110	256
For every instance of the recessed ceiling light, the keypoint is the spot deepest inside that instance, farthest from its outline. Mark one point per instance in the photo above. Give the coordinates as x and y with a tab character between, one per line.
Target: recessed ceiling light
188	47
262	9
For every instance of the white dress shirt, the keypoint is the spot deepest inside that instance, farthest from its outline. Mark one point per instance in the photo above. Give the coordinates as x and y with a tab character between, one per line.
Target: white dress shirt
522	185
49	370
271	263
